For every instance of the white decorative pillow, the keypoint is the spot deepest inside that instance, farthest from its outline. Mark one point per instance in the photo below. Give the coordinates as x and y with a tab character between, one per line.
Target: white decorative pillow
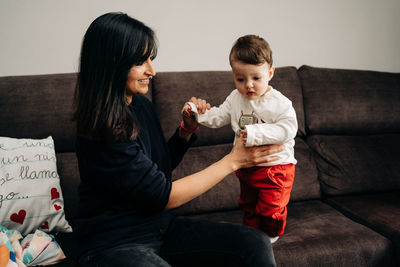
30	192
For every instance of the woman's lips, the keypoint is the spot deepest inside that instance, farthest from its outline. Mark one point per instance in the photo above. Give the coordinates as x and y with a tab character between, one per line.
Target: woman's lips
144	81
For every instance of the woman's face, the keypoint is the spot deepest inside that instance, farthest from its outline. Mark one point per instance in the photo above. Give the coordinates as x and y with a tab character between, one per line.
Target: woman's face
139	79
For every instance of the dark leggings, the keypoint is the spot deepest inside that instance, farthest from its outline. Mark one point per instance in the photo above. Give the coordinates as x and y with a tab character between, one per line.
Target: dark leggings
191	242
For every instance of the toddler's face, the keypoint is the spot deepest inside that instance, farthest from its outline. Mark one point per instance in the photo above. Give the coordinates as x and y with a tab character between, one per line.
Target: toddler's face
252	80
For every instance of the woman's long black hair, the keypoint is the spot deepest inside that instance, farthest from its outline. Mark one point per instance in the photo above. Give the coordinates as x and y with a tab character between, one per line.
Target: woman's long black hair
112	45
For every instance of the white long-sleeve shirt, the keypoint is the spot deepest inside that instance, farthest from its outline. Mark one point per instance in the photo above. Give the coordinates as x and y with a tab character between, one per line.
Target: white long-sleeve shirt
270	119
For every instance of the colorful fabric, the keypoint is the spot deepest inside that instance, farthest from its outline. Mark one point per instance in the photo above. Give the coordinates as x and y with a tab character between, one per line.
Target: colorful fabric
31	196
35	249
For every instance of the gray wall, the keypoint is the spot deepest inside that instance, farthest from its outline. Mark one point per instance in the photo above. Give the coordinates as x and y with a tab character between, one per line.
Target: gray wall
44	36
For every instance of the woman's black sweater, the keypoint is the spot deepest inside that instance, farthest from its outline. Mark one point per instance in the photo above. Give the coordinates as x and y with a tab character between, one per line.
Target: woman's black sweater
125	186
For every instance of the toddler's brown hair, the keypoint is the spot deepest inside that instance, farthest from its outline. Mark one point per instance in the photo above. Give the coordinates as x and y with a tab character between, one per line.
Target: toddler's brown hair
251	49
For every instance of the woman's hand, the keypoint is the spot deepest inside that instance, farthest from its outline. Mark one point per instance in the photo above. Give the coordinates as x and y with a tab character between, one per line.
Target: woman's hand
245	157
188	116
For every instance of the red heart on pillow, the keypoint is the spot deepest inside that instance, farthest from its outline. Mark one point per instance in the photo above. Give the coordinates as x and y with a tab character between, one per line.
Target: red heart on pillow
54	193
18	217
45	225
57	207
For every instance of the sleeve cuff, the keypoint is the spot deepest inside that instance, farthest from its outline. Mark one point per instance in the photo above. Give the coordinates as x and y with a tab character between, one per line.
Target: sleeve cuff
250	140
182	143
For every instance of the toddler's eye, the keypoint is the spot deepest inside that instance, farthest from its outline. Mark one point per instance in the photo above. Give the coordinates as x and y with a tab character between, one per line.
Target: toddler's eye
256	78
240	80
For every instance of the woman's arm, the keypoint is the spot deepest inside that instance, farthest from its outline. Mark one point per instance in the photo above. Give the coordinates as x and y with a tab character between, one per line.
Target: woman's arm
190	187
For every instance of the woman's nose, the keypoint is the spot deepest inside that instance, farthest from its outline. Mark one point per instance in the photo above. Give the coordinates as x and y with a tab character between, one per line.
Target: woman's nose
150	69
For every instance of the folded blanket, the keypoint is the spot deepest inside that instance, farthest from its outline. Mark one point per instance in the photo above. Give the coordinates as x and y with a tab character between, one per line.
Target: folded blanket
35	249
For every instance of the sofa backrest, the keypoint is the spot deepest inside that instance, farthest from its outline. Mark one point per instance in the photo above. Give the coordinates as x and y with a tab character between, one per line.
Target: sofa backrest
38	106
353	123
351	102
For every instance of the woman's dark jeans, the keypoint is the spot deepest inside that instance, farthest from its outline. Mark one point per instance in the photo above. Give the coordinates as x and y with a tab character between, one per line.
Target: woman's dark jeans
190	242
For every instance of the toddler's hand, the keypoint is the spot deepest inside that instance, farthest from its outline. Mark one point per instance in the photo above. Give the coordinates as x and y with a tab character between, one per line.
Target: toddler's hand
201	105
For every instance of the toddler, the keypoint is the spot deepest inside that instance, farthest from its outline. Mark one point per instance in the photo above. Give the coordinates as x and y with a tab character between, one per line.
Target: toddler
263	116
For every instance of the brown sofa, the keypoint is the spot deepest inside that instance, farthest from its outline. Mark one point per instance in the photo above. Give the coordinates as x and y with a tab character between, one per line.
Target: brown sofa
345	203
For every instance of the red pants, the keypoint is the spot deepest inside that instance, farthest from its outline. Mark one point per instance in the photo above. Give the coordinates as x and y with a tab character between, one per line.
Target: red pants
264	194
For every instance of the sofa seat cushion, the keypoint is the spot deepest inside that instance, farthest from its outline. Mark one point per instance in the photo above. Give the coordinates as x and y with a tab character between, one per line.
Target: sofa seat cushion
355	164
318	235
380	212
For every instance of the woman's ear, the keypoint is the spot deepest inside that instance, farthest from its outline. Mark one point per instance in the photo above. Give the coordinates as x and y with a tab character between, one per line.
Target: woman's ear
271	71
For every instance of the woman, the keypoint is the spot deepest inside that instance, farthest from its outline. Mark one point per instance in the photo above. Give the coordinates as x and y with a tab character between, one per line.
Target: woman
125	165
